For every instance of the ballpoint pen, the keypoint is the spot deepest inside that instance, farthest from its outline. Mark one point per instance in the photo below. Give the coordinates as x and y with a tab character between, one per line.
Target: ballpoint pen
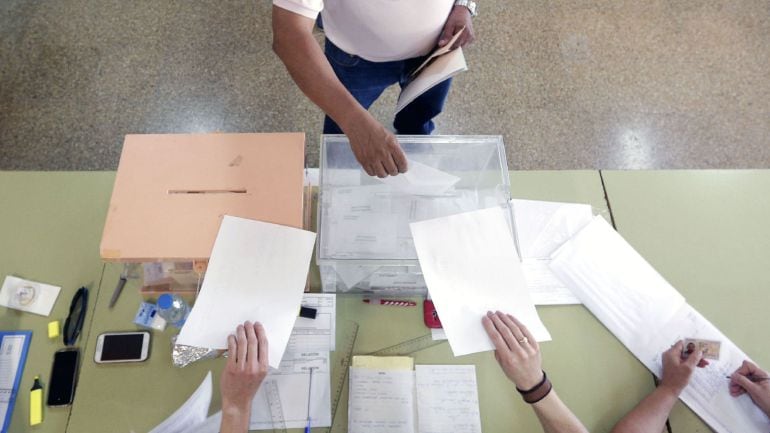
309	389
751	377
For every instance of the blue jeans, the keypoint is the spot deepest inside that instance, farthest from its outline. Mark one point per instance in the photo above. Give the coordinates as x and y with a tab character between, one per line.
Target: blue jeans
367	80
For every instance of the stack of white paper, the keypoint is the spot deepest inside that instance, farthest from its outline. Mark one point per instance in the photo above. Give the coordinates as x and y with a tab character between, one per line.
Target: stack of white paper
542	227
648	315
470	266
257	272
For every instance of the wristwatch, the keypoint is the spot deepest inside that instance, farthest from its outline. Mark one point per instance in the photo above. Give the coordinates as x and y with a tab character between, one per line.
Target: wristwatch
470	4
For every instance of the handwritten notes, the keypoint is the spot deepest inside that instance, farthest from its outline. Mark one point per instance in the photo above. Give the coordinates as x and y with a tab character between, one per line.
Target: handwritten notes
387	396
381	401
447	399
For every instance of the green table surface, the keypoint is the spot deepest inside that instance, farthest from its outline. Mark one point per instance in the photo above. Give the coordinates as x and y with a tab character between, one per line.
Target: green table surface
50	228
707	233
62	215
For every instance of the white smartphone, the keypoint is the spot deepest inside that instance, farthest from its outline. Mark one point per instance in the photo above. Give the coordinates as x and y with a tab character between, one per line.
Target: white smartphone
113	347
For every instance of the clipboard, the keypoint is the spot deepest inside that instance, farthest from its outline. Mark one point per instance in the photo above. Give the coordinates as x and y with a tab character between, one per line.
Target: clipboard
14	346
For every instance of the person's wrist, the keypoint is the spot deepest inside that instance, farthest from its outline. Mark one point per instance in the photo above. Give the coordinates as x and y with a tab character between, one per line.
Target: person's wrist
530	380
236	407
670	389
353	120
538	392
461	7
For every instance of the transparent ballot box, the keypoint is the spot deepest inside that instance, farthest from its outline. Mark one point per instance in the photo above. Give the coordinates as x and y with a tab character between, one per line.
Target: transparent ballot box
364	241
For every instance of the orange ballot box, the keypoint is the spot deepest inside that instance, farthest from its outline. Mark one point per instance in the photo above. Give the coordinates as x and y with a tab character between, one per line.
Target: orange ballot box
172	190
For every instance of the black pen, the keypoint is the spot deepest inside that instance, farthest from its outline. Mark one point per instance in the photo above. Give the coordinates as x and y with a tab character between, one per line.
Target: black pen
755	379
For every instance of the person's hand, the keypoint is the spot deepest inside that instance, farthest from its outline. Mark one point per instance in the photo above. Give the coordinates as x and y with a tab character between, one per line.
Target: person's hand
376	148
246	367
516	350
752	380
677	369
459	17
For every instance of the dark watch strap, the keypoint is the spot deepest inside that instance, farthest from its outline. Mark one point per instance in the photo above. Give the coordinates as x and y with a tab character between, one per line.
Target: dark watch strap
537	392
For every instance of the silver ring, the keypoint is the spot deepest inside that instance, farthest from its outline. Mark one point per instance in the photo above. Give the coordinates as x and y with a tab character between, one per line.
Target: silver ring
523	340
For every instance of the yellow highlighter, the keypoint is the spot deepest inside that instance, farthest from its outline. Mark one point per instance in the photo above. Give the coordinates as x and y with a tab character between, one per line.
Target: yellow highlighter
36	403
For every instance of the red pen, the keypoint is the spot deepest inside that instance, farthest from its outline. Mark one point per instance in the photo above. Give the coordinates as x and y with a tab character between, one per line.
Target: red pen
390	302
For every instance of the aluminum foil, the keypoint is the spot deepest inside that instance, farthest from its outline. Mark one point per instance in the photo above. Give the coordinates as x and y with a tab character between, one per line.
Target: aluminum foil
183	356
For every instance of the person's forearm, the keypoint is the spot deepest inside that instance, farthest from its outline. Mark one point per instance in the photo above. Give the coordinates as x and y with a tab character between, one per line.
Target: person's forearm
235	419
555	416
309	68
650	414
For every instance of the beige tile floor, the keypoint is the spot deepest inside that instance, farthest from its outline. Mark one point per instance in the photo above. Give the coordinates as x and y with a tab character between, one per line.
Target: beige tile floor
569	84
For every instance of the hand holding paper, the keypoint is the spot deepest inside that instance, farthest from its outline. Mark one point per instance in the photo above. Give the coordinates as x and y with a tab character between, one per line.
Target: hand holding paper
257	272
471	266
517	350
422	179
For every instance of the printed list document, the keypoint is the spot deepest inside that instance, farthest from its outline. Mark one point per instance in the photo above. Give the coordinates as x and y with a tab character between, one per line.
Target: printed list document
257	272
291	380
317	334
471	266
14	346
192	413
648	315
542	227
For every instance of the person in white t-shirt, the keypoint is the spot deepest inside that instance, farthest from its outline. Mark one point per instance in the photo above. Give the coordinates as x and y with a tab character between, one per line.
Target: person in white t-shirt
370	45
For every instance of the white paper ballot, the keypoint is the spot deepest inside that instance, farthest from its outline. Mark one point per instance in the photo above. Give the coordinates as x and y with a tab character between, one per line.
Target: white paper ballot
470	266
291	380
422	179
613	281
447	399
192	413
648	315
545	287
542	227
257	272
29	296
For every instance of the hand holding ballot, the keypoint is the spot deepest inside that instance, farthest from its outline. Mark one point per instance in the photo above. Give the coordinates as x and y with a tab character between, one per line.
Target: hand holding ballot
245	370
516	350
752	380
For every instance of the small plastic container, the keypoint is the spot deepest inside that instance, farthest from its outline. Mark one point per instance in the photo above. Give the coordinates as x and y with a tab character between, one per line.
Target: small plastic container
173	309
